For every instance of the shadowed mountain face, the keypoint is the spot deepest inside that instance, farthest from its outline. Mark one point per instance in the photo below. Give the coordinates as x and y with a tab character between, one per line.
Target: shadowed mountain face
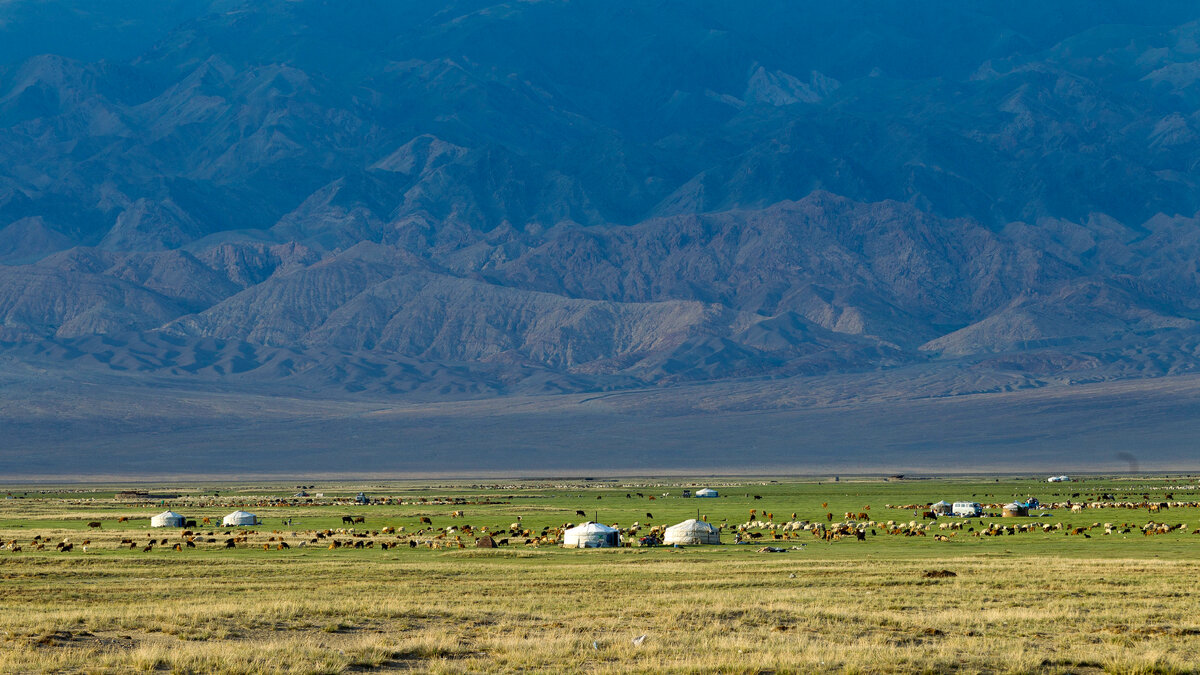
475	200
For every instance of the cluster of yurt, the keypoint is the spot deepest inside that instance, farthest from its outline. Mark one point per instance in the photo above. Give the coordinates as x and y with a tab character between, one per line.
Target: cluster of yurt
691	533
239	518
1015	510
706	492
168	519
942	508
592	535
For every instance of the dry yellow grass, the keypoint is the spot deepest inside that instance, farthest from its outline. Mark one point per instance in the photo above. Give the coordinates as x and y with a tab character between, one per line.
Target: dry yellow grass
1030	602
567	611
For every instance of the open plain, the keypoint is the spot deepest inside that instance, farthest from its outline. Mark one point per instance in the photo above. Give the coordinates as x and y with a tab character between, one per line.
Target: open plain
1106	587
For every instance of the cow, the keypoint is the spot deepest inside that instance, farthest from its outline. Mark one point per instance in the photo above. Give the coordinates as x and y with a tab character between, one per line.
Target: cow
123	519
426	520
189	523
360	519
580	513
95	524
347	520
649	516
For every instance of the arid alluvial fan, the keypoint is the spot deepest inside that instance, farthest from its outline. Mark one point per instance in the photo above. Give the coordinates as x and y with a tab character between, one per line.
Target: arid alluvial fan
475	199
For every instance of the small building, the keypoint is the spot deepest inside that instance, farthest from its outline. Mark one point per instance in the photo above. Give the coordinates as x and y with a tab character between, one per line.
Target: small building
239	518
706	492
592	535
167	519
1058	479
967	509
131	495
942	508
691	533
1015	510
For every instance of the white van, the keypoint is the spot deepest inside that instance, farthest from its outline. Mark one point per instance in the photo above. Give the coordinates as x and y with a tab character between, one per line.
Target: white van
967	509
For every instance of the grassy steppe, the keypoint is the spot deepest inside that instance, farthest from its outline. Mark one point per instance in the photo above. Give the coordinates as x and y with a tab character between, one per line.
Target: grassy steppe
1029	602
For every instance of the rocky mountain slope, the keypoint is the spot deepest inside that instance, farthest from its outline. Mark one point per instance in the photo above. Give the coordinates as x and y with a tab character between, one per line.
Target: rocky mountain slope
476	199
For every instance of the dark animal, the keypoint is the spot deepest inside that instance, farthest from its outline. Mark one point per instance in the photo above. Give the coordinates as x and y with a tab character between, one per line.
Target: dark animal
360	519
650	516
347	520
581	513
426	520
94	524
189	523
758	496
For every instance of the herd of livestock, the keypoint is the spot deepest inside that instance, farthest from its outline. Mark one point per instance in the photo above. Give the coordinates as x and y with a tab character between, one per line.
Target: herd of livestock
760	527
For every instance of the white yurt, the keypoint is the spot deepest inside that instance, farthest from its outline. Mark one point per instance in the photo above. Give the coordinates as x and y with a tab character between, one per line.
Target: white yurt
239	518
167	519
942	508
692	532
706	492
591	535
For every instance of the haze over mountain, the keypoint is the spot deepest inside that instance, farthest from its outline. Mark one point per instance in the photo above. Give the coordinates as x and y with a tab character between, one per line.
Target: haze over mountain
402	203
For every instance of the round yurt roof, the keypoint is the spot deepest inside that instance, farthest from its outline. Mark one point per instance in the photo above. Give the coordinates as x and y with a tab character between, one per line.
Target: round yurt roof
1014	505
591	535
692	532
942	503
240	518
591	528
706	492
167	519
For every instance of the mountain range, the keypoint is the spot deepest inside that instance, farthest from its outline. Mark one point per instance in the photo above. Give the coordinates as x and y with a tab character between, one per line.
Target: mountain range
422	204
